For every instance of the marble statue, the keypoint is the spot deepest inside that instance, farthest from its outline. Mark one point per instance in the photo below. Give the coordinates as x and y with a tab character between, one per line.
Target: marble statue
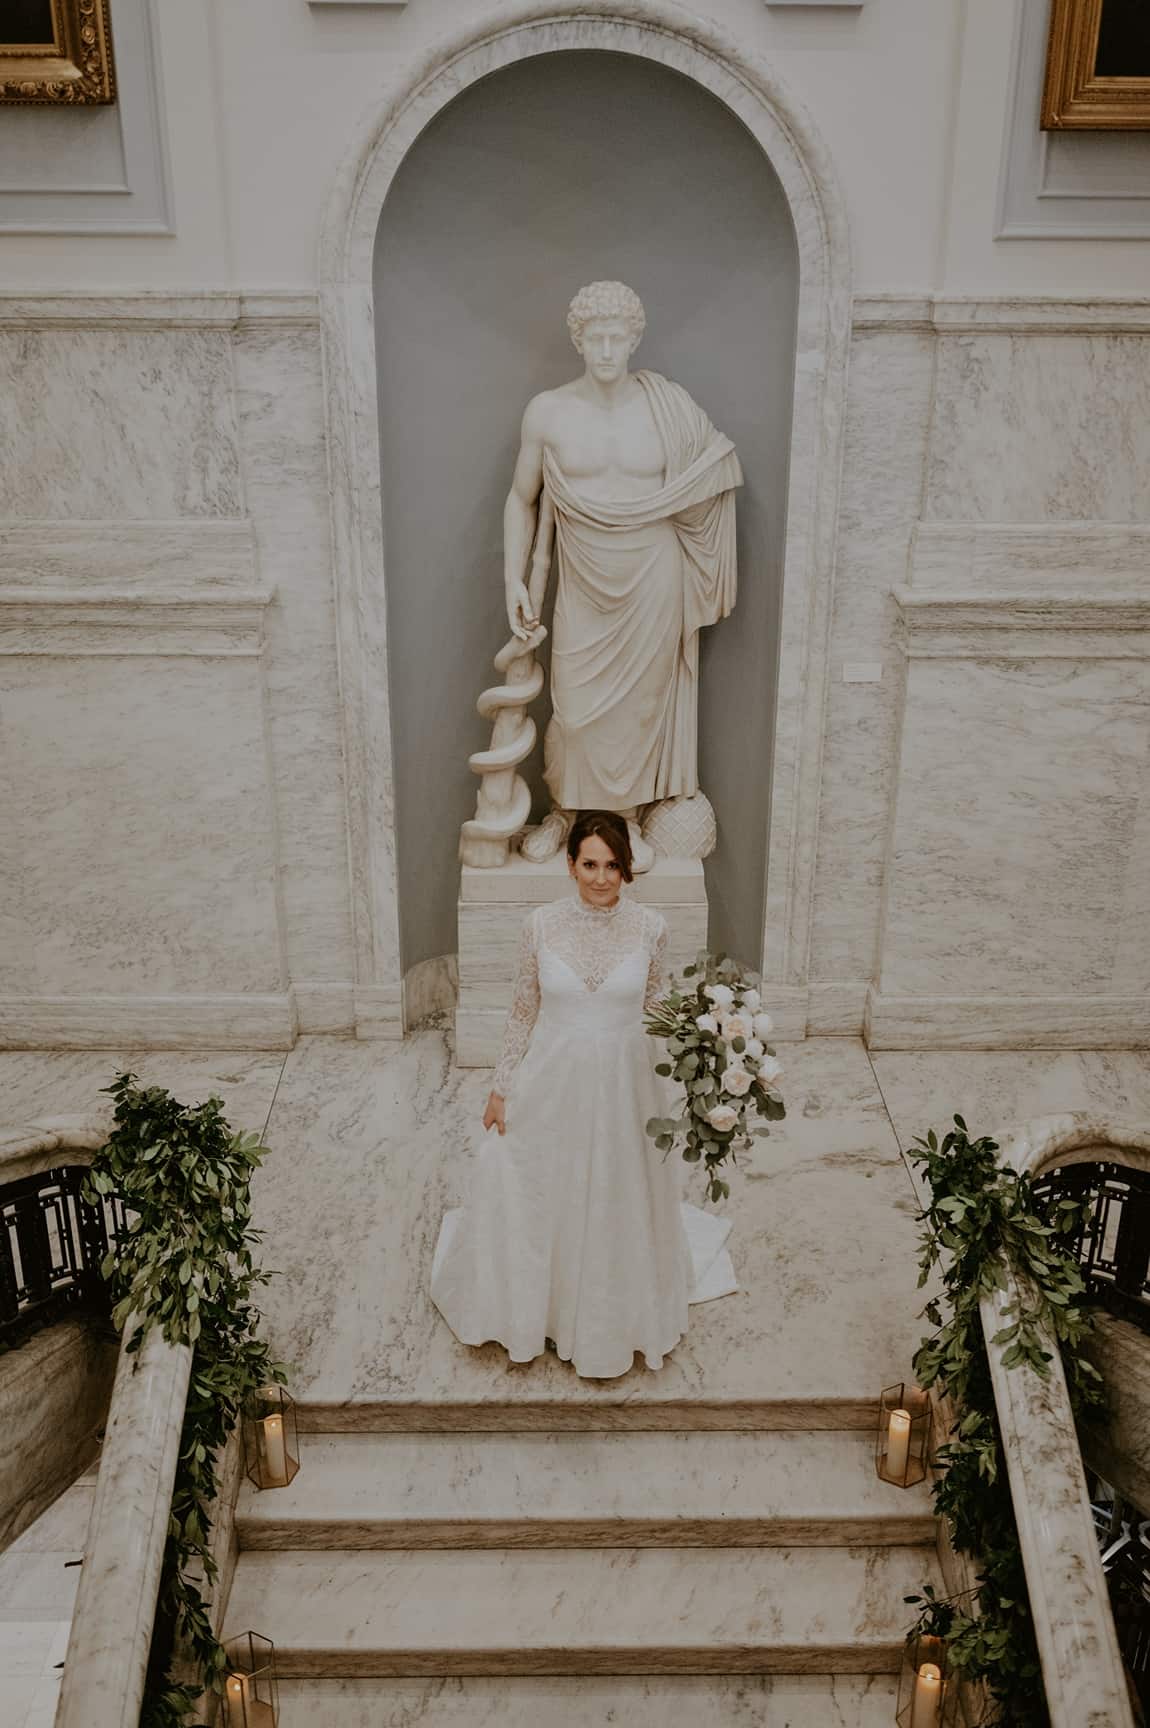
641	489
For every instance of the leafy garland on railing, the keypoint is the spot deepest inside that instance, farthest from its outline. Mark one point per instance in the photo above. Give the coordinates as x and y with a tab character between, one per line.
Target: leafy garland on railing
979	1214
186	1266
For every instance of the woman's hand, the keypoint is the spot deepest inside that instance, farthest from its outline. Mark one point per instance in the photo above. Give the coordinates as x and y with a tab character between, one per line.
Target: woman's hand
494	1116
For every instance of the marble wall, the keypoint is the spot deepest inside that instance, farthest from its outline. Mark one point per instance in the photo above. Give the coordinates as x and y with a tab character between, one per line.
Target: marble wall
174	853
174	850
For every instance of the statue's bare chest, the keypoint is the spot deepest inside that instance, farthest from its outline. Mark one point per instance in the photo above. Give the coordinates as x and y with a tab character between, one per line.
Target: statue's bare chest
614	452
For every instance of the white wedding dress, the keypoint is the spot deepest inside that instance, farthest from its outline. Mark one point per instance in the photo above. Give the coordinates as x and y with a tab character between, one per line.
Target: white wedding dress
574	1230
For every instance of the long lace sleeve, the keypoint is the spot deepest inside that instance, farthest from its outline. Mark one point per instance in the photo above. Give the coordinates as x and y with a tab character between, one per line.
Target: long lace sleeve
657	952
524	1009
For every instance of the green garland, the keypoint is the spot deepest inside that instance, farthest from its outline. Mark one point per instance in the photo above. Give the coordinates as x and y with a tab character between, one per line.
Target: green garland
979	1215
185	1265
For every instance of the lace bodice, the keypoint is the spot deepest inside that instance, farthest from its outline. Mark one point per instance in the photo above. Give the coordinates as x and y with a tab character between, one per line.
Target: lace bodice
593	942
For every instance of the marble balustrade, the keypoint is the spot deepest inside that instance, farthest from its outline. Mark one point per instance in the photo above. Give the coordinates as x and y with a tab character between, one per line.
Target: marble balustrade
111	1635
1081	1664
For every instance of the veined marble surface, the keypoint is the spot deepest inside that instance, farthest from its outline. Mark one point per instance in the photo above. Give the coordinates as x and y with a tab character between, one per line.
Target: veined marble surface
371	1143
744	1701
582	1611
44	1084
132	423
996	1091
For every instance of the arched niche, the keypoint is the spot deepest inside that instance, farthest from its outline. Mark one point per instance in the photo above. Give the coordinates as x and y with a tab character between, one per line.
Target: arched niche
787	762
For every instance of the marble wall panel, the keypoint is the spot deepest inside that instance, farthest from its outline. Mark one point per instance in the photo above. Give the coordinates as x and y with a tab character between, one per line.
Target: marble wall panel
138	836
117	422
280	408
1040	427
888	410
1020	854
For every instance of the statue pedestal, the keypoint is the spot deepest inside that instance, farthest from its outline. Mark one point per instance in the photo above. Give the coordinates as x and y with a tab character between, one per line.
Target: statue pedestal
492	907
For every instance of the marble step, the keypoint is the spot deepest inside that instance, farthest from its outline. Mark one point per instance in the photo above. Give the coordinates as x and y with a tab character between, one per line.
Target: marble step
581	1611
608	1412
584	1490
675	1701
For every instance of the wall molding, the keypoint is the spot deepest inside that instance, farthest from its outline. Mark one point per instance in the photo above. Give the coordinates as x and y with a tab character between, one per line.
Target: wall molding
1021	626
82	554
1006	1022
967	315
292	308
224	1021
1053	558
159	309
64	623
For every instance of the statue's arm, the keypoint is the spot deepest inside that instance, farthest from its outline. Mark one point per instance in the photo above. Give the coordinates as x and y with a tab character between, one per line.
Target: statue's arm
520	519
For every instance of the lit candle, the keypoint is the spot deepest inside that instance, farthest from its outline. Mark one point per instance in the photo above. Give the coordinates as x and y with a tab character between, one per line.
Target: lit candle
898	1444
927	1696
244	1710
275	1456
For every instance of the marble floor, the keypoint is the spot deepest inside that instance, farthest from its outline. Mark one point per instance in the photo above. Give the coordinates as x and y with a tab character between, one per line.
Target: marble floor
370	1141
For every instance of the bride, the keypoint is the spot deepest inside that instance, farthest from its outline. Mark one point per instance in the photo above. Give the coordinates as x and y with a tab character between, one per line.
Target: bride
574	1233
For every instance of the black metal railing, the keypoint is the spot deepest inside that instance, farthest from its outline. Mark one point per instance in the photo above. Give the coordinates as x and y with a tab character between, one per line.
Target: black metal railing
1124	1543
1113	1243
52	1242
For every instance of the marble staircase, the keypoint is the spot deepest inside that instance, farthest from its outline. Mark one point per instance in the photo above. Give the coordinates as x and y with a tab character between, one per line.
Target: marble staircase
584	1577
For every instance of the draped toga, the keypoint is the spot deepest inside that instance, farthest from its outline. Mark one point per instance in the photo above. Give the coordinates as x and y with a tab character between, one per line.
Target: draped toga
638	579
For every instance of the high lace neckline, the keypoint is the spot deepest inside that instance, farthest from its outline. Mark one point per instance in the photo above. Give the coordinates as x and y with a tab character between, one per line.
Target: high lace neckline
603	912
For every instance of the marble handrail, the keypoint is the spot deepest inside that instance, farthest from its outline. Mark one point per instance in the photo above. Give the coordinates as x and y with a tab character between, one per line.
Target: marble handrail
1081	1664
111	1634
107	1657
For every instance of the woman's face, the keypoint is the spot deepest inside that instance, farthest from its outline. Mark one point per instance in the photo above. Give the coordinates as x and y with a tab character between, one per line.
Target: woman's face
597	872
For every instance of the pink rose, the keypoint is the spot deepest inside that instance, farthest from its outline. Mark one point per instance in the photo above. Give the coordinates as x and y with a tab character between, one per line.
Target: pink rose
723	1117
737	1080
736	1026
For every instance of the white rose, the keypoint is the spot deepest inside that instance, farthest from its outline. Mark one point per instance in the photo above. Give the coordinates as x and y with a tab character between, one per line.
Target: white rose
736	1026
753	1051
723	1117
752	1001
769	1070
720	995
707	1023
736	1080
764	1025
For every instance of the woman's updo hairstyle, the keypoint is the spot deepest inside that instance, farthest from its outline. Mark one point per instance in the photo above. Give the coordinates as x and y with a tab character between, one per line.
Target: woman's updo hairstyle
611	829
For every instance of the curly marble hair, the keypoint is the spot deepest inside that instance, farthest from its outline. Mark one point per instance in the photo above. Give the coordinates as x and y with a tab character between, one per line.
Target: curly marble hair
606	300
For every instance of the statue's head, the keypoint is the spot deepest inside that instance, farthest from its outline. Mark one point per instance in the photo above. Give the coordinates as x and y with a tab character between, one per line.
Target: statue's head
606	321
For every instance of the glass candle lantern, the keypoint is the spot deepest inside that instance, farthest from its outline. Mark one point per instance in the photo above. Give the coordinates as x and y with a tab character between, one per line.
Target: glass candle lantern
271	1441
926	1694
251	1695
902	1445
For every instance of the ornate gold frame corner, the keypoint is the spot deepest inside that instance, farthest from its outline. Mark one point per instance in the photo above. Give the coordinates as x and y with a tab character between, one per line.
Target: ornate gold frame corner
75	69
1073	97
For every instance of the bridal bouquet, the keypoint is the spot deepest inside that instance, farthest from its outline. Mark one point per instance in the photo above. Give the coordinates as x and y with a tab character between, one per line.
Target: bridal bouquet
716	1032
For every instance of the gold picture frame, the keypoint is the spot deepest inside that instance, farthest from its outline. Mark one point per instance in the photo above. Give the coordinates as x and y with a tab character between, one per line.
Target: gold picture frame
64	55
1075	96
